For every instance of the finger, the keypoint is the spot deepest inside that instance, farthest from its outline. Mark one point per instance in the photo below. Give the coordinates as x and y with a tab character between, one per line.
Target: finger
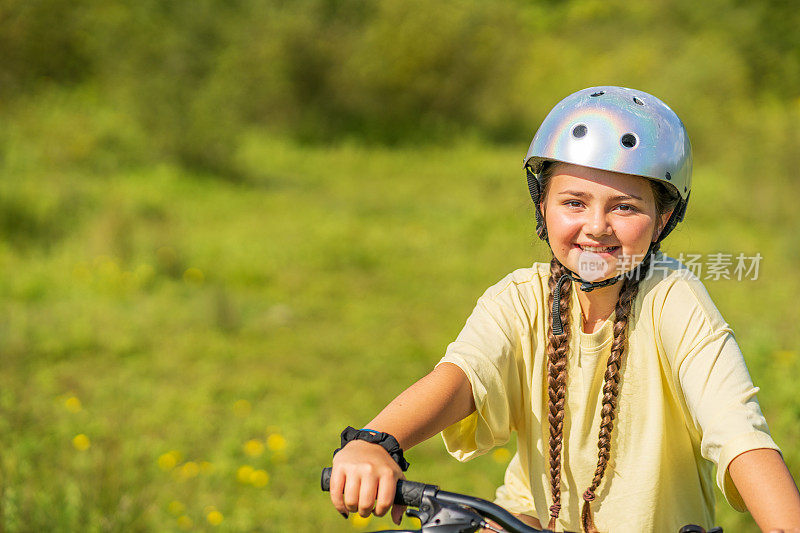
387	486
351	489
336	489
398	510
367	495
397	513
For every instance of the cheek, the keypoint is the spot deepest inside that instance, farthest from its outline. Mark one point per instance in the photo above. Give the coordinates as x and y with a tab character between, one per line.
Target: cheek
638	234
562	225
562	231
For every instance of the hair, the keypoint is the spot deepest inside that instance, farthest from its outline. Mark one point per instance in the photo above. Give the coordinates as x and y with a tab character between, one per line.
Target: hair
557	349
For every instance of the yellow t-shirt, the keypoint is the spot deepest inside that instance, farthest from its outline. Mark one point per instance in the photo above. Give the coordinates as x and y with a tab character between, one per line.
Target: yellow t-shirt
686	403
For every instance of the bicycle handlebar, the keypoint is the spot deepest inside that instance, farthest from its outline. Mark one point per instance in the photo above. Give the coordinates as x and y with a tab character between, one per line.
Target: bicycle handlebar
407	493
461	512
415	494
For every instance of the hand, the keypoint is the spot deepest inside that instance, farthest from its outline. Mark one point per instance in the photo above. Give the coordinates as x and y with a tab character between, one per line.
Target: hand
364	479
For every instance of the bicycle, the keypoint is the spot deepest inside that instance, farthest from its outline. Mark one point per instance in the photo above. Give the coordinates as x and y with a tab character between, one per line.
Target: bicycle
440	511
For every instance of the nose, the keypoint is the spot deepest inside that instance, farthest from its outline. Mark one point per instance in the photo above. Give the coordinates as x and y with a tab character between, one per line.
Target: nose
597	224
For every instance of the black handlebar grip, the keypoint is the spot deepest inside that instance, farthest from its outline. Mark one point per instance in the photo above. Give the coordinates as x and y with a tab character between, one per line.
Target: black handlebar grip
407	492
325	480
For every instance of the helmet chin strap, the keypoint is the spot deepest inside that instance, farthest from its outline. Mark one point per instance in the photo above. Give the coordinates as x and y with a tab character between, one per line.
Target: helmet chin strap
588	286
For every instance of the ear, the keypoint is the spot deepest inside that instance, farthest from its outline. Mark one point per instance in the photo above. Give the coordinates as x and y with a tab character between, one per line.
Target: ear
662	222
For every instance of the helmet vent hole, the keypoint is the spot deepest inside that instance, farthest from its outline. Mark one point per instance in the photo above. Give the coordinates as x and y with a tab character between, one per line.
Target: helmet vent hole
598	93
579	131
669	176
629	140
637	101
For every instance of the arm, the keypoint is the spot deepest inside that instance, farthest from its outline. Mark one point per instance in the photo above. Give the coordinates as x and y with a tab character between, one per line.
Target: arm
767	488
436	401
721	400
364	476
488	348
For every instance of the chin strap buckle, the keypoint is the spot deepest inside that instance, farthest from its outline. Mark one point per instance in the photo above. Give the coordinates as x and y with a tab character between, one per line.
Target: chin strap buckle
589	286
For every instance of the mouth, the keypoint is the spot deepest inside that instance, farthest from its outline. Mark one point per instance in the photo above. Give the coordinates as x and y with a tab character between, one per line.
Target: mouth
597	249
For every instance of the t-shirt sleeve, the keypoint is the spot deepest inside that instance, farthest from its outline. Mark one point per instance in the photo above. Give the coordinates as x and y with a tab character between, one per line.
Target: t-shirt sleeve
710	370
487	350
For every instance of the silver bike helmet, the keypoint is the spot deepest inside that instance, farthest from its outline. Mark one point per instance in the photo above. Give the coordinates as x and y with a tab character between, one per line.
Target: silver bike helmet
616	129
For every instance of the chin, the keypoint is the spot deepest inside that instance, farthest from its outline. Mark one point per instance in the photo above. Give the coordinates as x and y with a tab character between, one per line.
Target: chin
593	267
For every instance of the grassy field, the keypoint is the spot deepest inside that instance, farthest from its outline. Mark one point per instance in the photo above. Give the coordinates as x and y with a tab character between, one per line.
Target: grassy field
180	352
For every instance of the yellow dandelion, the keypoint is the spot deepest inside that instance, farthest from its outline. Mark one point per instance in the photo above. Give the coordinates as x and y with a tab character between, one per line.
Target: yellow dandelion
176	508
241	408
214	517
189	470
253	447
184	522
501	455
276	442
73	404
358	521
167	461
259	478
243	473
81	442
194	276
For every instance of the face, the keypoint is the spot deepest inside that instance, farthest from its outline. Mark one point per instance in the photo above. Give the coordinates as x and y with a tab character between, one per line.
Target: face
599	223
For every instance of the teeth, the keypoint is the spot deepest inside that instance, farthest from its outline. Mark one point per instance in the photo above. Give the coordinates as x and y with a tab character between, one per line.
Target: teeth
597	249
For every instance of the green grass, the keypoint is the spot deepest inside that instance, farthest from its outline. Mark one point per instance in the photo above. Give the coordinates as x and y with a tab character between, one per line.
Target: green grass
314	292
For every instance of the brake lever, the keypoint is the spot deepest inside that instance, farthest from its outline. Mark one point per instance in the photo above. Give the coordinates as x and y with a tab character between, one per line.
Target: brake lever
437	518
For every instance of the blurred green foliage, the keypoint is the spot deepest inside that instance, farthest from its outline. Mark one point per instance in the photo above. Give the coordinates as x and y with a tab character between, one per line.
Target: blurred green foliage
197	75
216	204
174	320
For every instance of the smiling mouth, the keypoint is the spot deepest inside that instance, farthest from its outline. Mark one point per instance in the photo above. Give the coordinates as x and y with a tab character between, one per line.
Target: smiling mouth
598	249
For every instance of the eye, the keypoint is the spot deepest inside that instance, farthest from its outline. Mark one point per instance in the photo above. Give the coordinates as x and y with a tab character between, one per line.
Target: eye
573	203
627	208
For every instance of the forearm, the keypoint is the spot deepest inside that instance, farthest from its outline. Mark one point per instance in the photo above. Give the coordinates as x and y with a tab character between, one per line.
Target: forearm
436	401
767	488
364	476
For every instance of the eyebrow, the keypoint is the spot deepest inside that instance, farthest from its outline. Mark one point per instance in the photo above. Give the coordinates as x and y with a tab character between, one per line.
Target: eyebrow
581	194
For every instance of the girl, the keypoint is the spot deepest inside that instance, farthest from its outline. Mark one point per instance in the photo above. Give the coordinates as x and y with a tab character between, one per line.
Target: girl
623	382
